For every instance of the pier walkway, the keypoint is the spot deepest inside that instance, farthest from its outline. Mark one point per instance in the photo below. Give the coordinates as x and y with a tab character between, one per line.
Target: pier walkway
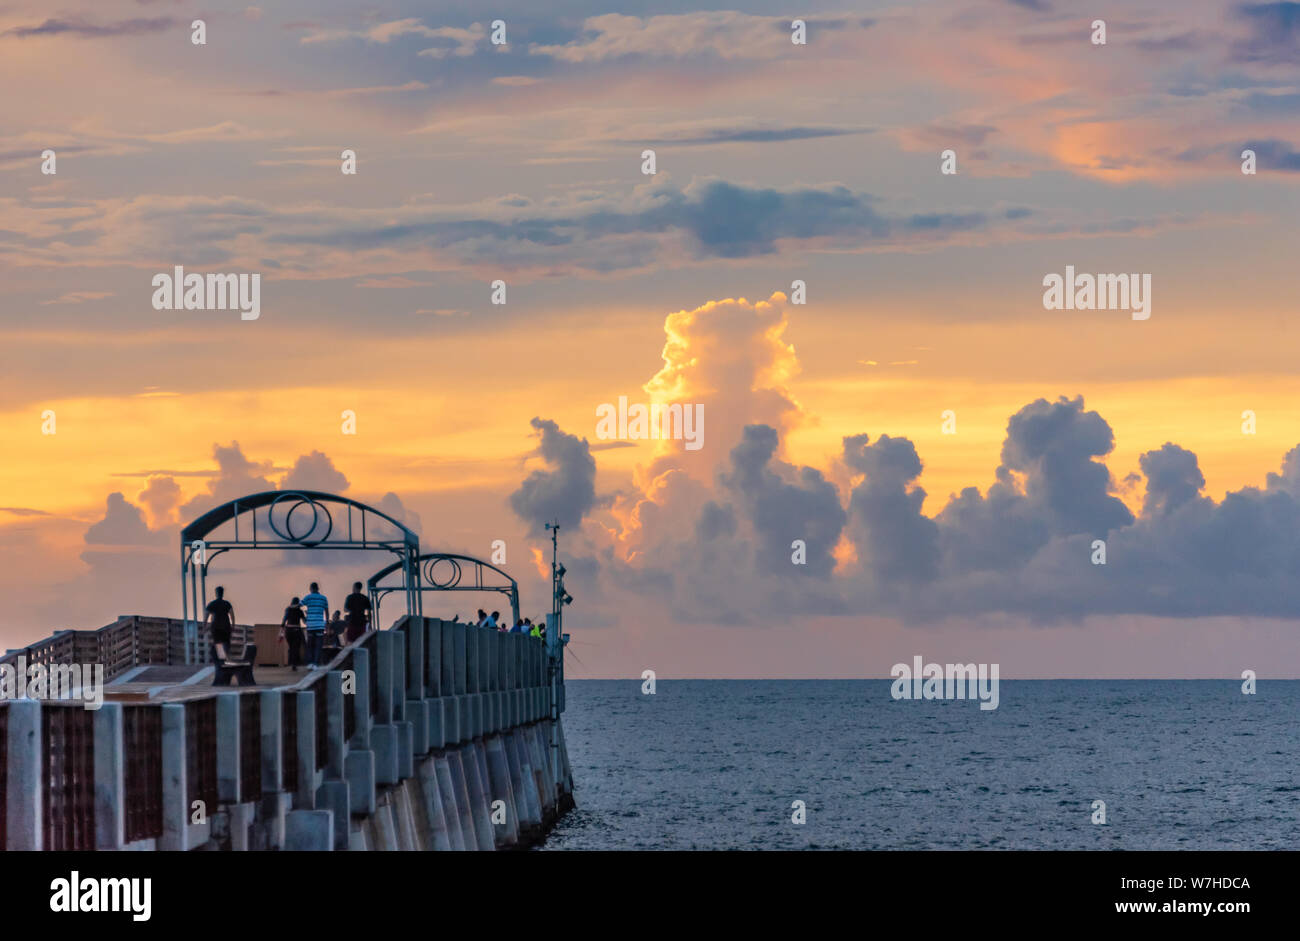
431	735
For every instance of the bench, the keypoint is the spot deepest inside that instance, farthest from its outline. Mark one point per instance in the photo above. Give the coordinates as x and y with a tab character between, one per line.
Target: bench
224	670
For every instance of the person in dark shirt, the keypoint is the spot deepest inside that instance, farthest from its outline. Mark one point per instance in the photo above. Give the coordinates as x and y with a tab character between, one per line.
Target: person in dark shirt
291	631
221	613
357	606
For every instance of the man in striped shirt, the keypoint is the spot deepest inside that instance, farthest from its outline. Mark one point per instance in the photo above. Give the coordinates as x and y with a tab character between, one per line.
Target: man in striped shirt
318	607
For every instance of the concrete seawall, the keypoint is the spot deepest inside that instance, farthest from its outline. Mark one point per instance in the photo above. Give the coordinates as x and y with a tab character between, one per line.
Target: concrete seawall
431	736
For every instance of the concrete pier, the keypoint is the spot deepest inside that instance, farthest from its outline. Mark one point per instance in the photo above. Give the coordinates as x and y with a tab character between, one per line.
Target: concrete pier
433	735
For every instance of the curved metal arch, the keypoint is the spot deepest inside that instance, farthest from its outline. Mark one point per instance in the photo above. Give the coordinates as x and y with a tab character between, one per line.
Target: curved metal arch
233	509
197	550
427	563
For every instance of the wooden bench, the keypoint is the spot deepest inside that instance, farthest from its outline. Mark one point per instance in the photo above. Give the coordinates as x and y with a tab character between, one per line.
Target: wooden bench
224	669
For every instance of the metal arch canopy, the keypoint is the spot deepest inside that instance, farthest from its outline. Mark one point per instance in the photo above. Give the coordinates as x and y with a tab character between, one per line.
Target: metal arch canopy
311	510
428	563
210	520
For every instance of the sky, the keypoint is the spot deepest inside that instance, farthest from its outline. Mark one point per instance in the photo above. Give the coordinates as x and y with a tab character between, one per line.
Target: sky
866	334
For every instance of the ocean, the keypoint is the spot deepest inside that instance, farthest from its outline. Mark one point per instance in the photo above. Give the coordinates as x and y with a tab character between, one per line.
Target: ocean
717	764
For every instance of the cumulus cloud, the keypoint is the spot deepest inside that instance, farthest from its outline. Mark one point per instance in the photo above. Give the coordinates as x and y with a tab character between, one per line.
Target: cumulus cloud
162	496
314	471
123	525
1173	478
237	476
892	537
566	489
392	504
719	548
1052	446
783	504
731	358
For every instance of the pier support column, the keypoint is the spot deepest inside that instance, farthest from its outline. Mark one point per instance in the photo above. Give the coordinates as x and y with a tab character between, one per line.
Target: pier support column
110	769
450	810
500	789
417	715
175	795
384	745
309	830
24	807
359	771
521	763
478	797
463	805
272	746
227	748
334	796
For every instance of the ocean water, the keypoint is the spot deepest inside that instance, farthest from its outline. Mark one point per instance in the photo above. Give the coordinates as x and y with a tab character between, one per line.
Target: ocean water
716	764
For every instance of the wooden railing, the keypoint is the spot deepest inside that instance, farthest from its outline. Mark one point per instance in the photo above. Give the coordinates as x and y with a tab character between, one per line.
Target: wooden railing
130	641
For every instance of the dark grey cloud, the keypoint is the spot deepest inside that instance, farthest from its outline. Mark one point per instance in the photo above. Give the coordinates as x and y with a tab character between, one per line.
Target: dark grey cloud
566	490
893	538
1272	104
1275	155
1180	42
758	135
780	511
85	29
1273	33
1270	154
1053	445
719	219
1173	478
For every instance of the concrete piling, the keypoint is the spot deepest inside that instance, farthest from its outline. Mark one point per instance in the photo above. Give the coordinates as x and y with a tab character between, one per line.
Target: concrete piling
447	796
463	805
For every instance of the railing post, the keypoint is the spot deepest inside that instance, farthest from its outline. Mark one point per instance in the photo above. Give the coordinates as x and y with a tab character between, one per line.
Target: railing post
361	698
415	634
306	742
335	705
385	648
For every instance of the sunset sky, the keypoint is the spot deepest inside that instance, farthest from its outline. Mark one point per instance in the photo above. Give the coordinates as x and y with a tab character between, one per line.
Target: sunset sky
775	162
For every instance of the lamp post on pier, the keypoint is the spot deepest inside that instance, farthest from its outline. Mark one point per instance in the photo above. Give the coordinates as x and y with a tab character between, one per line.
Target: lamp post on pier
555	641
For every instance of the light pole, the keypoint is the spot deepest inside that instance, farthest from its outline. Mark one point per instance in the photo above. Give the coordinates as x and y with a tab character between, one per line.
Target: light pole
555	641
